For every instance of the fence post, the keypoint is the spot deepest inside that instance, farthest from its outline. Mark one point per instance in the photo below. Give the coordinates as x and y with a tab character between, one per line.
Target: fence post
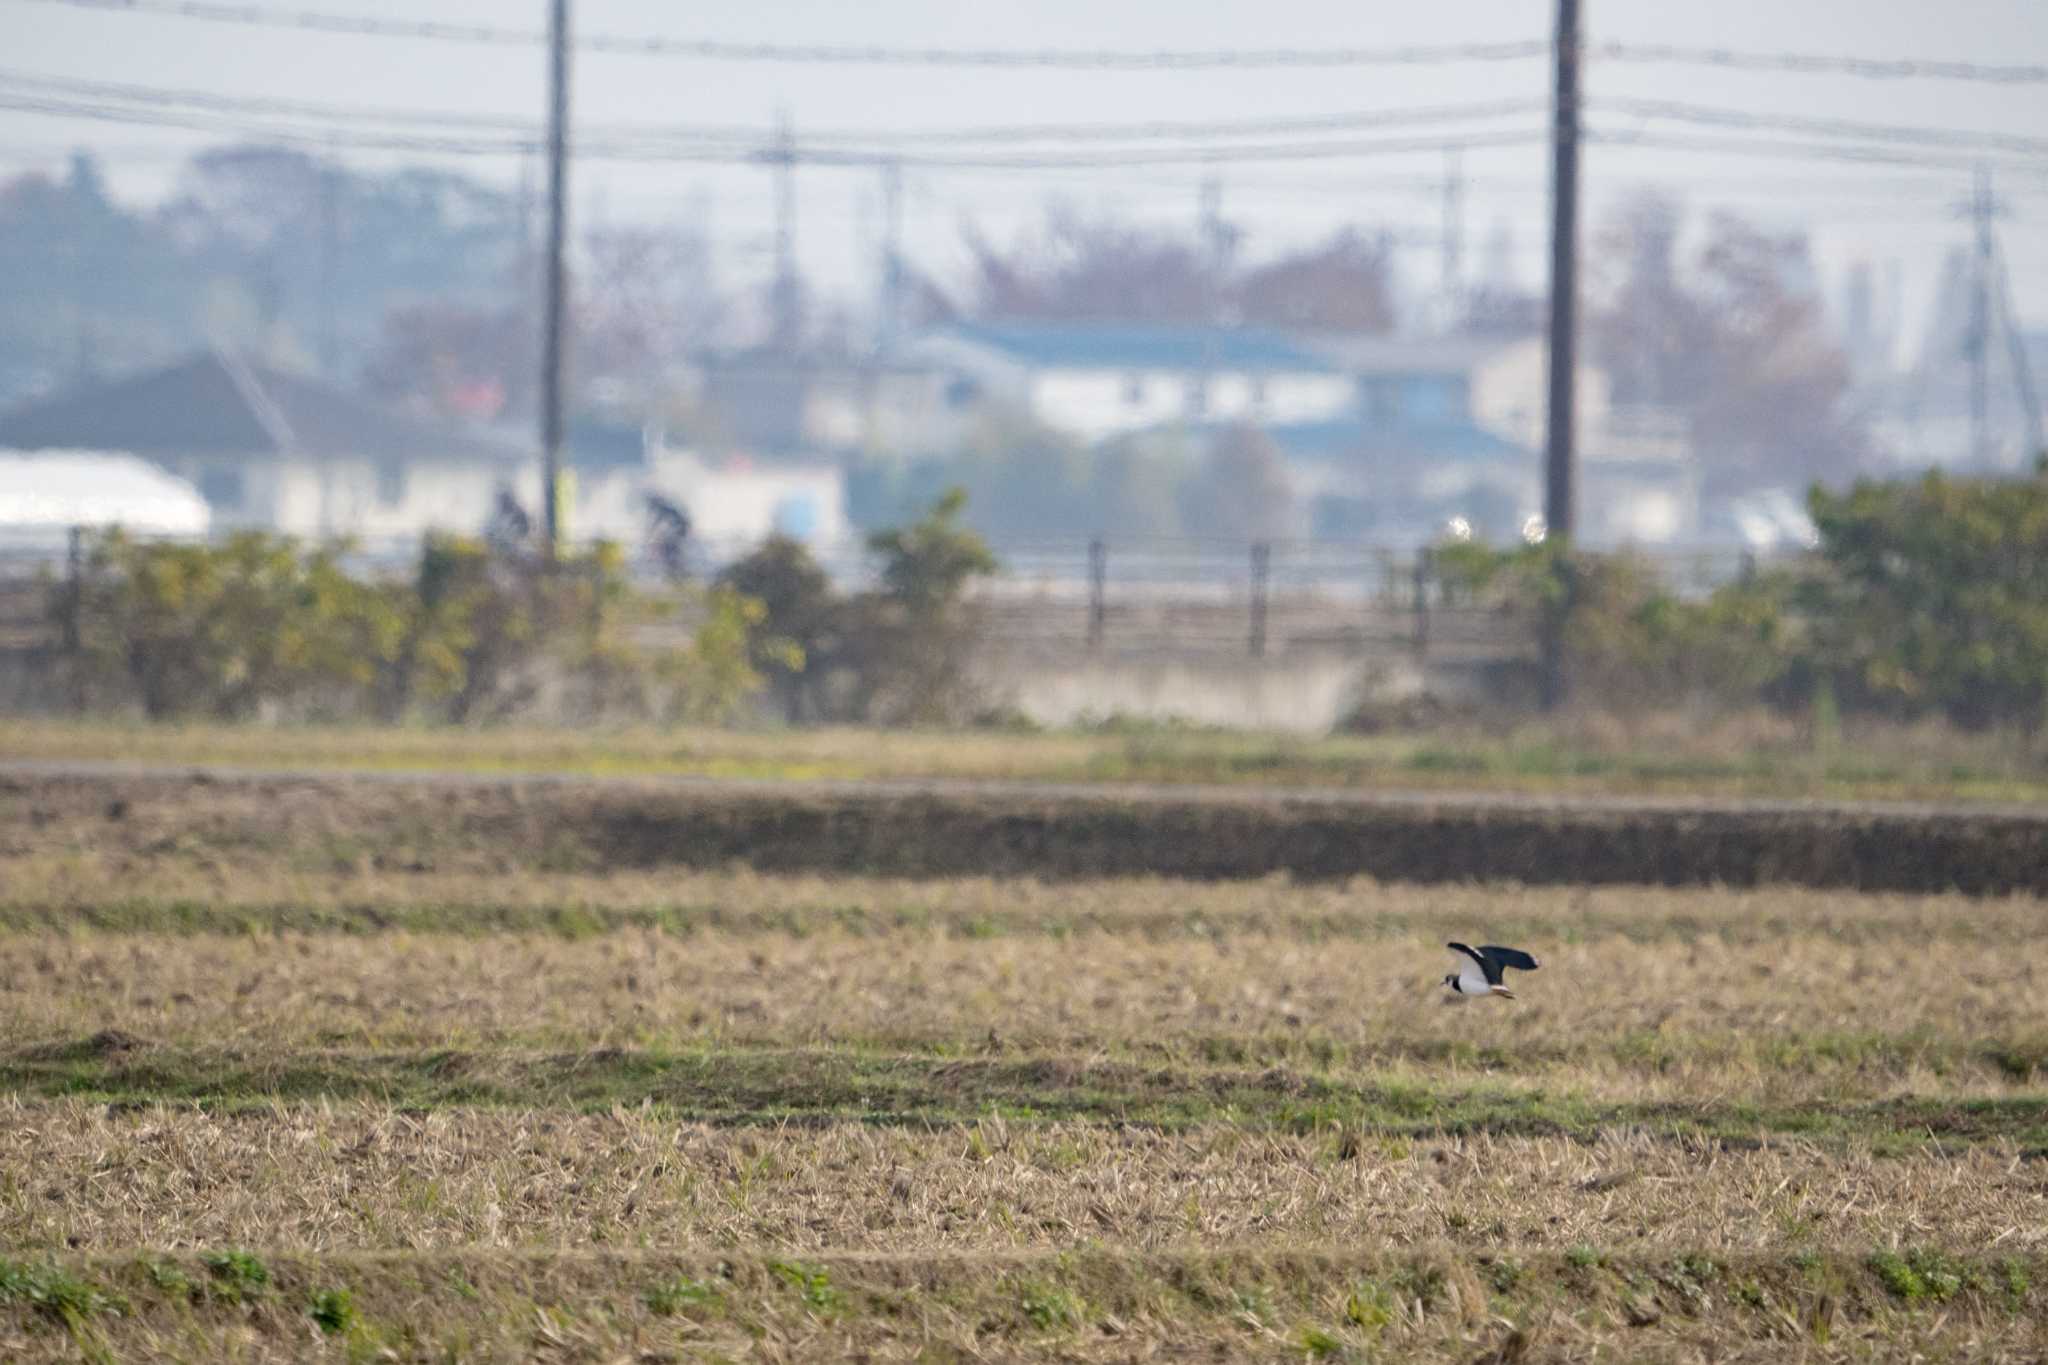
1098	583
1421	599
74	606
1262	561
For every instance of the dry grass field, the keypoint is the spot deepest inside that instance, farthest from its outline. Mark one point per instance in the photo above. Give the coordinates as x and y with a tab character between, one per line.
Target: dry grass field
259	1103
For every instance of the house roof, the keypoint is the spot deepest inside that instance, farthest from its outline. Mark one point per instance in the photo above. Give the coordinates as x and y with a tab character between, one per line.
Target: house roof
1385	355
1117	346
217	403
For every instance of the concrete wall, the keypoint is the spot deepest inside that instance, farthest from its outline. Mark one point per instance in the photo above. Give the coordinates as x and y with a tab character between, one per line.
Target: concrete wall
1062	687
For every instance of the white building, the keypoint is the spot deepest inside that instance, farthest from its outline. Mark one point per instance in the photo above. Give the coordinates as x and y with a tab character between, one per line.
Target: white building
280	451
43	496
1098	380
1438	417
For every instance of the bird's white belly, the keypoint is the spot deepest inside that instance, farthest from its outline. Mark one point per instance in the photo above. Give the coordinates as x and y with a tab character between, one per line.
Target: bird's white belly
1472	981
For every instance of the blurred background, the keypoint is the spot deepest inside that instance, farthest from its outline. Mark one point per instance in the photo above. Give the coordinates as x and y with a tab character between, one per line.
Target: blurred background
1225	319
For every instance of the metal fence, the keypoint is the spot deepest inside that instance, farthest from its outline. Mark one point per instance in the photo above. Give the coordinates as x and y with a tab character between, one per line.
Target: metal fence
1260	599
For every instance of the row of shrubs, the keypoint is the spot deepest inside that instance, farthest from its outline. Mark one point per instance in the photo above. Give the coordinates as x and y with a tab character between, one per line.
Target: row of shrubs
259	624
1920	599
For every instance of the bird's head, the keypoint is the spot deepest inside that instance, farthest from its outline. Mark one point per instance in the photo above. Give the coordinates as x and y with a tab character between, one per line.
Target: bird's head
1451	980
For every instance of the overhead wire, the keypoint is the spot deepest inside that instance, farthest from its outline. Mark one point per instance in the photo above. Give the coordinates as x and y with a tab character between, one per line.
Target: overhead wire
1099	59
859	54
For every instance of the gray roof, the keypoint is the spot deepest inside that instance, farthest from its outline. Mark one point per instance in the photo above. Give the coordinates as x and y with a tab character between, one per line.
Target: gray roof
1119	346
216	403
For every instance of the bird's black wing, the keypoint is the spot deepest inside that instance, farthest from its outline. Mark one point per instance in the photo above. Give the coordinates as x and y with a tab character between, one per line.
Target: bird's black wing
1507	957
1478	955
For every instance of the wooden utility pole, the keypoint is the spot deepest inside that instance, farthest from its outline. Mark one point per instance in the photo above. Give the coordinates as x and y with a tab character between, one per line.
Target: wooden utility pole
1564	253
1981	211
892	252
558	212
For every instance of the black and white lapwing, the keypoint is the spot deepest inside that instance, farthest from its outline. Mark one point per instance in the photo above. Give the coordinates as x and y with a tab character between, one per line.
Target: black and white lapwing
1479	969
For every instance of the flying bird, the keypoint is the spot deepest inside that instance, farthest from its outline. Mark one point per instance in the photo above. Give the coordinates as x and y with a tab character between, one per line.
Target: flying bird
1480	970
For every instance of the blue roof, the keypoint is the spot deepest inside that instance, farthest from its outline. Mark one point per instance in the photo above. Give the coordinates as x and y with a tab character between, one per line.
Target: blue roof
1117	346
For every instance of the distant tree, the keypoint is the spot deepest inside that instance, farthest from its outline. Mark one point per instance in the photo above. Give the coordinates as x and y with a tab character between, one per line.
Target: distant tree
1094	270
645	301
800	624
449	359
927	564
94	286
1101	269
1240	490
1738	345
1338	286
301	235
1498	311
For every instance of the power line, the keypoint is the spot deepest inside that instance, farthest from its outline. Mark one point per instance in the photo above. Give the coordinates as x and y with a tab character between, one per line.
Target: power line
654	45
1805	151
1811	63
208	111
1682	112
1160	59
736	153
1336	121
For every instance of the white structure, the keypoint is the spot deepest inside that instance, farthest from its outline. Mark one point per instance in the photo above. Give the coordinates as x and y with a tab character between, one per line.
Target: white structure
280	451
742	500
42	496
1095	381
1472	411
732	502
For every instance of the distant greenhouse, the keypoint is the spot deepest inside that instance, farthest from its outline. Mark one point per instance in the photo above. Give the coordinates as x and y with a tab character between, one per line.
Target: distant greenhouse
43	495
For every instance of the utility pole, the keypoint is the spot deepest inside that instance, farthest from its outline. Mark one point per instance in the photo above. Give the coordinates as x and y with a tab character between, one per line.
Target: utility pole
1978	343
1564	250
2022	372
892	251
330	246
1454	235
783	302
1216	248
558	212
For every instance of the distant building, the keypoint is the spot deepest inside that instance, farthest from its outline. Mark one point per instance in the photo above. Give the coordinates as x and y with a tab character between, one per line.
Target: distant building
1454	428
282	452
1099	380
44	495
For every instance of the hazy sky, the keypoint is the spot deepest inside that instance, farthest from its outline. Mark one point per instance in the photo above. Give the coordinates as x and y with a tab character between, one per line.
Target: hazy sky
1867	212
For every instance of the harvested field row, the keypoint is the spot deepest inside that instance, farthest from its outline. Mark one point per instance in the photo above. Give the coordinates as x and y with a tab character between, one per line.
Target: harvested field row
904	830
842	1085
1748	755
1784	1018
83	880
327	1177
1431	1305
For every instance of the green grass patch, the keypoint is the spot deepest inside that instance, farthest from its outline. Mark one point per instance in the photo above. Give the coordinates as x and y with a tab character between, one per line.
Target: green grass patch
1307	1301
749	1086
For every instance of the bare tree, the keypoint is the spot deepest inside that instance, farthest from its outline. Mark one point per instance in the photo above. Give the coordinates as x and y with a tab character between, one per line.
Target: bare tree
1338	286
1095	270
646	301
1738	344
1103	270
